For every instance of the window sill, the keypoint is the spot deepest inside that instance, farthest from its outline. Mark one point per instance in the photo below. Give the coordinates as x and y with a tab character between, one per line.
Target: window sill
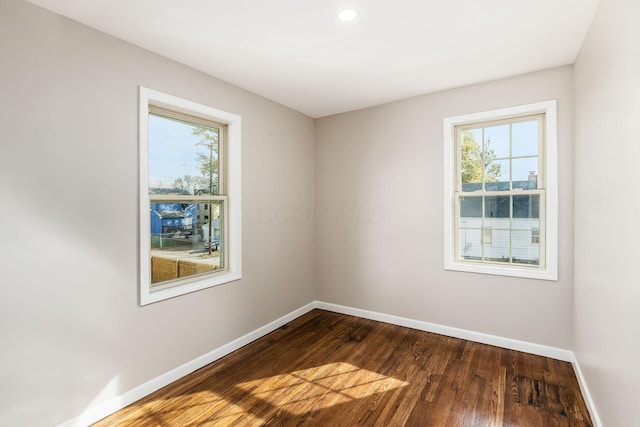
501	270
188	286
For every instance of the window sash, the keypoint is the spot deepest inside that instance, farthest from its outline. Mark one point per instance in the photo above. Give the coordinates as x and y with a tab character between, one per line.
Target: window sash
201	122
541	193
459	129
183	117
224	238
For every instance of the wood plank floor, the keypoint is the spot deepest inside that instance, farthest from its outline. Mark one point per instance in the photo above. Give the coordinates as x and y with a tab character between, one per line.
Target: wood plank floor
328	369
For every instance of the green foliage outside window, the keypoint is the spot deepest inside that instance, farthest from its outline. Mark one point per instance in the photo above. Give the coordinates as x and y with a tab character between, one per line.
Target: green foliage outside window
473	161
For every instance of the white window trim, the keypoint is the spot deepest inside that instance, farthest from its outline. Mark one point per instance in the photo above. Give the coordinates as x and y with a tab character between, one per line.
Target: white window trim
233	270
550	269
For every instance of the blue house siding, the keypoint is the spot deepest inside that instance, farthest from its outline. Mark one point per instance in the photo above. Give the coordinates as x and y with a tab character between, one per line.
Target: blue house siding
172	217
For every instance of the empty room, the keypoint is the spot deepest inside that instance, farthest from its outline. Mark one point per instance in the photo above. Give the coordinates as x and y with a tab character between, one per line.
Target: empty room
319	213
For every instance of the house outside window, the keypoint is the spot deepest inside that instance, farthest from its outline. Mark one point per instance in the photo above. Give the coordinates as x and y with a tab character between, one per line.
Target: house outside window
501	192
189	156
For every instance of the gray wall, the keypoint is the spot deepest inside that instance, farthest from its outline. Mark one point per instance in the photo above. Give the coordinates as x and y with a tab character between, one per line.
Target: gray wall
72	335
379	232
607	236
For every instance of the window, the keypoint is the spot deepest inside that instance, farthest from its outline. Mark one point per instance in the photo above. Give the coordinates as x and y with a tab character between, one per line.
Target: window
501	192
189	156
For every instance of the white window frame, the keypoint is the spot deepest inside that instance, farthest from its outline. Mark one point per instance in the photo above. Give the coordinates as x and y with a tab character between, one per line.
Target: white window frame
233	267
549	267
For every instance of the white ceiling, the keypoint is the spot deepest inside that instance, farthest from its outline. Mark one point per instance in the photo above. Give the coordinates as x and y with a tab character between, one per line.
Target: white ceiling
297	52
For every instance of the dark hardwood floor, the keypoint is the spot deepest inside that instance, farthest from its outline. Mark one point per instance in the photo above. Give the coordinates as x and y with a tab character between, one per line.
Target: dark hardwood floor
328	369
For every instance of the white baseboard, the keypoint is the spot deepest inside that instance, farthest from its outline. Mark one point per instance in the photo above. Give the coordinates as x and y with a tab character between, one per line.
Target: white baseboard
96	413
586	394
527	347
92	415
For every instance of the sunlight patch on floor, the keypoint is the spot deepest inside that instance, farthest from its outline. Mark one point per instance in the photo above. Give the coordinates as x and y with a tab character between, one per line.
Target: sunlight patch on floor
190	410
320	387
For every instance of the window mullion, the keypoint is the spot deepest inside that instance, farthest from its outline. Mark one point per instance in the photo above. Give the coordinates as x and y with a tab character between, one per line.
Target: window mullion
511	193
482	164
482	229
221	161
541	153
510	228
510	157
178	197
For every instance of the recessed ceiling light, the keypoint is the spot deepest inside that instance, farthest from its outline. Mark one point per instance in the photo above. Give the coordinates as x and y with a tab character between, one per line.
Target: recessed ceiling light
347	15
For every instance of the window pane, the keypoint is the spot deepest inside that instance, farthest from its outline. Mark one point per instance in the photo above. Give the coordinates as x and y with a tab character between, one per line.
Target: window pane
471	159
525	247
471	147
476	136
181	244
470	207
525	172
183	157
498	250
496	175
527	208
525	138
471	176
522	250
470	244
496	207
496	142
218	233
